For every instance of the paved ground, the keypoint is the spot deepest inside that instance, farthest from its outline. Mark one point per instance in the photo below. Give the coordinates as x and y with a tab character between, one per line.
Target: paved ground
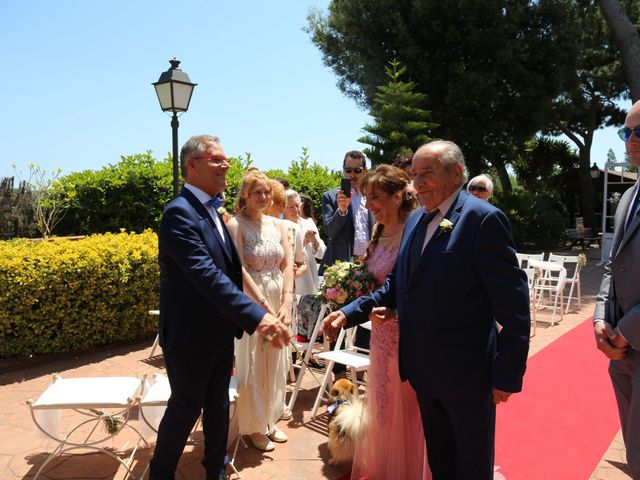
23	450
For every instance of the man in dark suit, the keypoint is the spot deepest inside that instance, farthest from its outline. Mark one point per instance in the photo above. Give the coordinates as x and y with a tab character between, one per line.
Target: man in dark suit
455	276
617	314
202	308
346	220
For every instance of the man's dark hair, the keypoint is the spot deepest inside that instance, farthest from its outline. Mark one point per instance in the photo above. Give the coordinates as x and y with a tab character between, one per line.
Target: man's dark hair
285	183
357	155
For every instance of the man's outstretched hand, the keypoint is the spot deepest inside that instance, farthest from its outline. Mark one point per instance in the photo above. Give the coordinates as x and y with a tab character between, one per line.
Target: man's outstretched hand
332	323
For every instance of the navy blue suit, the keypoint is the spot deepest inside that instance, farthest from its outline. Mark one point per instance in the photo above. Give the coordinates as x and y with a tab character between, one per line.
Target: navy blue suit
202	308
340	230
448	304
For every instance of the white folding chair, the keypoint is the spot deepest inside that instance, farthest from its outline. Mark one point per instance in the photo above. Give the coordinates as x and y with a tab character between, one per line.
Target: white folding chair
532	278
573	279
306	349
157	340
552	280
355	358
104	402
523	258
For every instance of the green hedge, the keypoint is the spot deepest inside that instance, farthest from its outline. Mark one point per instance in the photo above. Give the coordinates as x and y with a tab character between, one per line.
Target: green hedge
67	295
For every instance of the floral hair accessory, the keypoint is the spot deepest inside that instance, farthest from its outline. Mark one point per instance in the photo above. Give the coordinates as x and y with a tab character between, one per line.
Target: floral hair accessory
445	226
343	282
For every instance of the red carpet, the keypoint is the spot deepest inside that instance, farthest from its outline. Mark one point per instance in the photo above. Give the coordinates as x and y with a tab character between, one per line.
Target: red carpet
565	418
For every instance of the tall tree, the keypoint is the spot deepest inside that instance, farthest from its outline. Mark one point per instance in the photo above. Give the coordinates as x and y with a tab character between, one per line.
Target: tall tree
490	68
401	123
627	39
591	103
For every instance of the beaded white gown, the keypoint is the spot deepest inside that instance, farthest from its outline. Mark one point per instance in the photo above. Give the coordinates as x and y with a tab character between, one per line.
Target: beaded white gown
261	369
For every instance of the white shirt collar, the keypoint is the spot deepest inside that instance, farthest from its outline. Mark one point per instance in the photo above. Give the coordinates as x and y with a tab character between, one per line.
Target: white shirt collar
201	195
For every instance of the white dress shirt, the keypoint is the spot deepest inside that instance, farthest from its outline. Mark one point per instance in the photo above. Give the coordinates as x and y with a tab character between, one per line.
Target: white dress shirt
443	208
204	197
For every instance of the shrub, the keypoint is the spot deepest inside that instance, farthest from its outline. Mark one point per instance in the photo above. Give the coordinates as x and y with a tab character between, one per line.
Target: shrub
538	219
130	195
67	295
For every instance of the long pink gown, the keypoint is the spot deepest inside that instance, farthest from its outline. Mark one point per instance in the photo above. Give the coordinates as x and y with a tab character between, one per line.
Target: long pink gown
391	444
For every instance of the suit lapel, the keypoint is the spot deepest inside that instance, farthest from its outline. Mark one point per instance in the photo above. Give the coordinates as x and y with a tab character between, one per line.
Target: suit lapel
633	223
439	238
407	239
211	232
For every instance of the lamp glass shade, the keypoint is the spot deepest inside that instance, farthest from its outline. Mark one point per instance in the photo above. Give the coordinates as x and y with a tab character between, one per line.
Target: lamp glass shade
181	96
595	171
163	90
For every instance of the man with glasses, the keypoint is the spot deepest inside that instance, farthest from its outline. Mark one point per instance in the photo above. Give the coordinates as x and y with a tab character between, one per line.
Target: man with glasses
202	308
348	224
481	187
346	220
616	320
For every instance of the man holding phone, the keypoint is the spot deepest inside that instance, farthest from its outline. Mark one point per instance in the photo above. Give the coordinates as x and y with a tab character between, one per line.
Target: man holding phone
346	220
348	224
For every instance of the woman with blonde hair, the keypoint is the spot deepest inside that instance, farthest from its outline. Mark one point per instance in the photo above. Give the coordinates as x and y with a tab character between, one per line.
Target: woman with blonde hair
266	256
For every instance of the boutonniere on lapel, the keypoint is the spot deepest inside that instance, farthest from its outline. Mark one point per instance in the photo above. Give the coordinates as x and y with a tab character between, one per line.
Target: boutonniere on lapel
445	227
224	214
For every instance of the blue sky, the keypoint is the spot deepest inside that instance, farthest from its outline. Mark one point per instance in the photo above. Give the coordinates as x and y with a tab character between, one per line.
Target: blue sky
77	94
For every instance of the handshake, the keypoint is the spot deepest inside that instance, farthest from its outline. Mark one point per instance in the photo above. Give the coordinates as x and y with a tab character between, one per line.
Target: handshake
274	331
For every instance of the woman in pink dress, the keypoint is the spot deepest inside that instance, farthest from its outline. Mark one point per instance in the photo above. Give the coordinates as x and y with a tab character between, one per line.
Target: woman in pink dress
391	443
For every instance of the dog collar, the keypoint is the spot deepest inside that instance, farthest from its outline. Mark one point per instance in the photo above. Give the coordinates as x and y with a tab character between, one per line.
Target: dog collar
332	408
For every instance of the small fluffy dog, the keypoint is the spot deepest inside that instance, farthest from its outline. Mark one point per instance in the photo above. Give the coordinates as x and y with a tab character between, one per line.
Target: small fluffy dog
345	421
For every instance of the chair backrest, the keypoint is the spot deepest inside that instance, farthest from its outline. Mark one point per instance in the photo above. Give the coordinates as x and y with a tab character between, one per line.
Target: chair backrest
523	258
568	260
553	274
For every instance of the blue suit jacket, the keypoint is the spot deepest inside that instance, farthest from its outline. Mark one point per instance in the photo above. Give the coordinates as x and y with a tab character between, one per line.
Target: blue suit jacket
448	305
201	300
339	228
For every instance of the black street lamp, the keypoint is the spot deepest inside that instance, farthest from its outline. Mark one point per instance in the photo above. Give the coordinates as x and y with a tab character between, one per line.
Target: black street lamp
595	171
174	90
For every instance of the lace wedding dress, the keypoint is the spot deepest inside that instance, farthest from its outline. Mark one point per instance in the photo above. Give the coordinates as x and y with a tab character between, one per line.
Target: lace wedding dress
260	368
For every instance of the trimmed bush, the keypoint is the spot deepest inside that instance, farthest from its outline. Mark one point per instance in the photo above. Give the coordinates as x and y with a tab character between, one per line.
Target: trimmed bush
67	295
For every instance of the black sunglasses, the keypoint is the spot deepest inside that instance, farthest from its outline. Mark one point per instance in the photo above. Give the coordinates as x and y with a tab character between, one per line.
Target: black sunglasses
355	169
477	188
625	133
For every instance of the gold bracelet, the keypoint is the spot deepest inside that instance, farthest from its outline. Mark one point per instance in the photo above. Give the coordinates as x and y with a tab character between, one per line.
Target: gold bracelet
288	291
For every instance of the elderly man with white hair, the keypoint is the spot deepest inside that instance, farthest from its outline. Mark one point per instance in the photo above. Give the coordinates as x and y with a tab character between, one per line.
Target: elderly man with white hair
481	187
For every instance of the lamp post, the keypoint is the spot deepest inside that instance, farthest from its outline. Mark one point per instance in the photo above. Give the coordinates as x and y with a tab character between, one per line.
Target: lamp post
174	90
595	171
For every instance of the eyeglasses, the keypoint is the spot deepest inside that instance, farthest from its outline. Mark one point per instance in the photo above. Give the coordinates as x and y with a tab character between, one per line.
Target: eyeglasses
353	170
625	133
477	188
216	159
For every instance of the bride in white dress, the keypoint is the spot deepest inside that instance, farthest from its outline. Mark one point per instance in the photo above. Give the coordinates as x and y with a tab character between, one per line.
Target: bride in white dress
268	278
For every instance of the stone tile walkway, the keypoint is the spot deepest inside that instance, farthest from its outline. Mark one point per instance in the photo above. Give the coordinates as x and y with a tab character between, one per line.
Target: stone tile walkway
23	449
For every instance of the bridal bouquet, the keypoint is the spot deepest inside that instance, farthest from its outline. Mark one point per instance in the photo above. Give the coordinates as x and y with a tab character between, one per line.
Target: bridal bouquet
344	282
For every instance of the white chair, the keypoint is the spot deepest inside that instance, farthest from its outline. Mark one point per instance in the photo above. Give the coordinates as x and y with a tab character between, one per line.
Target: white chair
573	279
552	279
532	278
305	349
157	340
104	404
523	258
355	358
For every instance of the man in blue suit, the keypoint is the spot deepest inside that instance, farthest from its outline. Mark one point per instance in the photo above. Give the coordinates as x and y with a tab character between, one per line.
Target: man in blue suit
202	308
455	277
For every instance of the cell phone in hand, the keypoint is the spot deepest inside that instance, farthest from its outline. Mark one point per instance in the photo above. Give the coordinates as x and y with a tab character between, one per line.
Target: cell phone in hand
345	186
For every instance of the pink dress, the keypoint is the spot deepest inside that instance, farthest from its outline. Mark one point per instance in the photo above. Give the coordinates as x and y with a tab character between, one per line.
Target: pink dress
391	444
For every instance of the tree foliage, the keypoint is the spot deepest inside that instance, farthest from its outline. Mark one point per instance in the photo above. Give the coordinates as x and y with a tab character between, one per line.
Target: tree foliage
491	69
401	124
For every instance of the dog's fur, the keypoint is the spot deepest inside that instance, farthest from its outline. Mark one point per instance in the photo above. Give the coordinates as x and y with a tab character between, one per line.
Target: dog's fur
344	423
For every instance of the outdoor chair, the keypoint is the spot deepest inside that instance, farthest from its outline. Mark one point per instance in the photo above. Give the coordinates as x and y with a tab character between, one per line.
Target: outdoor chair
105	405
532	279
157	340
355	358
573	278
551	282
305	350
523	258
